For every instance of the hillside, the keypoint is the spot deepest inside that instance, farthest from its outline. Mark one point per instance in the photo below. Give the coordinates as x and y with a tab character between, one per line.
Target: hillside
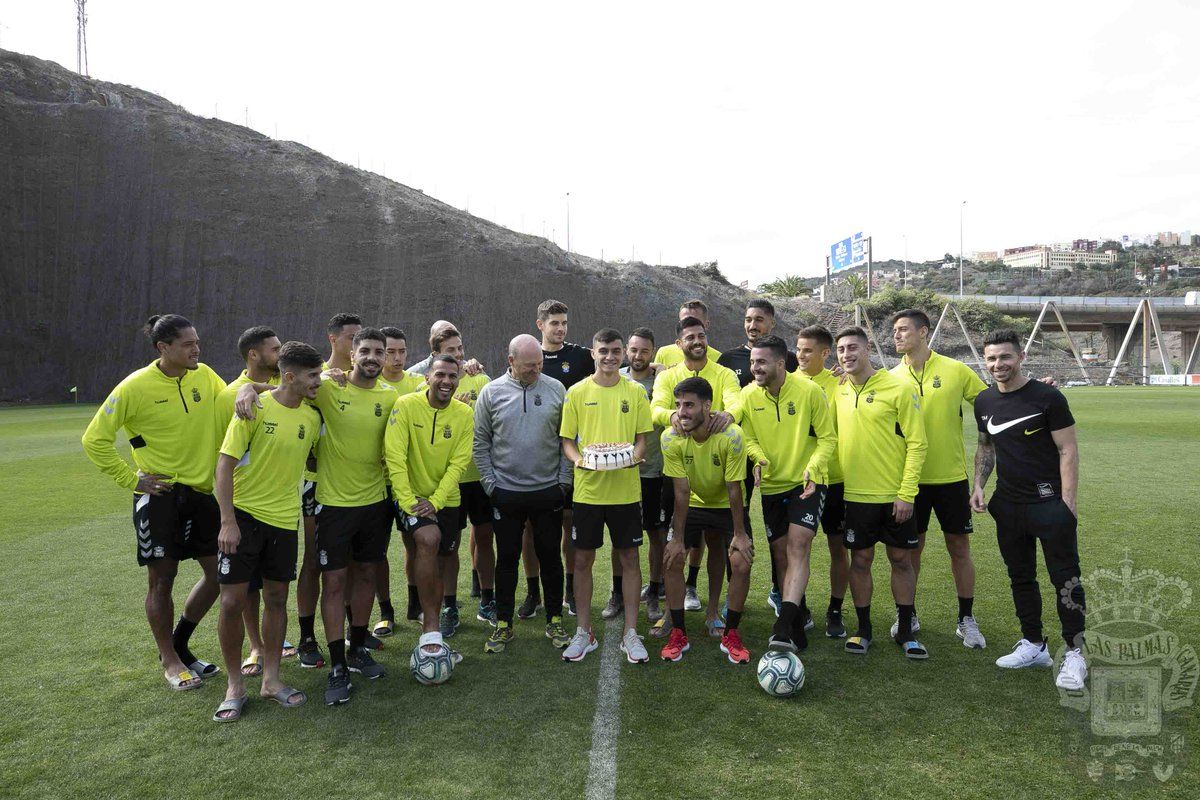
116	204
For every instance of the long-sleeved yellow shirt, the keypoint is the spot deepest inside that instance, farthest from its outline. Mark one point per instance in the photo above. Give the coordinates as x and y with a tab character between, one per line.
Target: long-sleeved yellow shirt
881	439
427	449
781	427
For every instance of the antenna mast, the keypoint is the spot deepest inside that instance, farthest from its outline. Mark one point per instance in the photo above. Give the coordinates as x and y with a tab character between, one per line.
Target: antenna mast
81	59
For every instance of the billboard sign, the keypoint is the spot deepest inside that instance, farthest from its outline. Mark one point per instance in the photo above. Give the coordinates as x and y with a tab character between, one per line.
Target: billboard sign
847	253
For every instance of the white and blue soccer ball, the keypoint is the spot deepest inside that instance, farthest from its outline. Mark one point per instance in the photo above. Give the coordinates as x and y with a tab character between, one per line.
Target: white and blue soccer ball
780	673
431	669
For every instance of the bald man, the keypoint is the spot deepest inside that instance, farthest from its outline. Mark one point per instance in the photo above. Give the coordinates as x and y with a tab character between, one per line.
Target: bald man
522	469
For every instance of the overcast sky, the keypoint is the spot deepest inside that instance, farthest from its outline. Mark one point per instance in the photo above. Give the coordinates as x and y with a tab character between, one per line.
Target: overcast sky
755	135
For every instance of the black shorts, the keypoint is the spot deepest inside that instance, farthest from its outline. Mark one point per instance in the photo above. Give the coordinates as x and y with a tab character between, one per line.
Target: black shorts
868	523
476	506
446	522
264	552
950	501
624	526
658	503
702	520
179	524
359	533
787	508
833	515
309	506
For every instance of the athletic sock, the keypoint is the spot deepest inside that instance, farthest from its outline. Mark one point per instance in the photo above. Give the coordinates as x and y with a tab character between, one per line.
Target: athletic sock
570	583
864	620
474	579
489	596
804	612
386	611
774	580
655	587
693	572
337	653
358	636
306	627
965	607
349	614
180	638
414	599
531	586
785	625
835	604
904	632
732	620
677	619
450	601
617	584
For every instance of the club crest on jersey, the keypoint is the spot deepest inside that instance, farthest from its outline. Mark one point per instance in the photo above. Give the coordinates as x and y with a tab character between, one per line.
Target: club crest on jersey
446	432
566	367
378	410
300	432
195	395
937	381
624	406
270	426
537	399
791	408
871	396
716	460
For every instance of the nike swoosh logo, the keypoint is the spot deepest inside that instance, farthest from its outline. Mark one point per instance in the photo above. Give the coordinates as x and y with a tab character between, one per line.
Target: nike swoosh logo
1032	432
993	429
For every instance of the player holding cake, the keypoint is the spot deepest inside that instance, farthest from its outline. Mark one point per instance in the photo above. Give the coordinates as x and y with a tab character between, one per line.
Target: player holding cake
604	425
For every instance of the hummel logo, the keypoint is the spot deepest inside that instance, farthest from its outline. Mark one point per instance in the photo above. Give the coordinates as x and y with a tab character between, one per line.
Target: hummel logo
993	428
160	402
591	404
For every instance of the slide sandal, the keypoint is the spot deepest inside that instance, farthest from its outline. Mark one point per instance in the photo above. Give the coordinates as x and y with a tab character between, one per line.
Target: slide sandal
252	667
383	628
203	668
858	645
289	650
184	681
289	697
232	709
915	650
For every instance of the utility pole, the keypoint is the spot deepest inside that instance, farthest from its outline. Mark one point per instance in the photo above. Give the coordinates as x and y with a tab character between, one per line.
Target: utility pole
904	275
568	222
961	209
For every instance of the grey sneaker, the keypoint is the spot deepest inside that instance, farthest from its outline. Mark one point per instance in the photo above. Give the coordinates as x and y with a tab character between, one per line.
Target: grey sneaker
582	643
615	606
916	624
448	622
633	648
530	606
968	631
645	594
654	610
359	660
691	601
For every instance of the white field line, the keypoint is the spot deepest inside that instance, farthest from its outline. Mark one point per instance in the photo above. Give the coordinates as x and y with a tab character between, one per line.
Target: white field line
601	781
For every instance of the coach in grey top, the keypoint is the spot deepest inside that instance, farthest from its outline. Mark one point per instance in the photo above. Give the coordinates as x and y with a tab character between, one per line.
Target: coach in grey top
522	468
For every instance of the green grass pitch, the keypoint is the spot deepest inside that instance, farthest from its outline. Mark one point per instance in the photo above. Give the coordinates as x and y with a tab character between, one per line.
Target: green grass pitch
84	711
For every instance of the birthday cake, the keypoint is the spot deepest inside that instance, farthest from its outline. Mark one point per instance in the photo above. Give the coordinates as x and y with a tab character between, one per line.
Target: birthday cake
606	456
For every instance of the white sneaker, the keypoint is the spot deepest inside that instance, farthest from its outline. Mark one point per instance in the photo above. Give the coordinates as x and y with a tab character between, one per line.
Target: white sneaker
615	606
968	631
1073	672
691	601
1026	654
916	624
582	643
633	648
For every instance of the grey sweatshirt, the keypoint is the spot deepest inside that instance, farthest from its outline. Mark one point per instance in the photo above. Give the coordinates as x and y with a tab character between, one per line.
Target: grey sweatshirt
516	435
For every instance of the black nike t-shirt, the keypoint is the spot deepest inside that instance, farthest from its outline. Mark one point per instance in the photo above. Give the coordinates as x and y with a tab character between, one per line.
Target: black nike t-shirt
568	365
1019	424
738	360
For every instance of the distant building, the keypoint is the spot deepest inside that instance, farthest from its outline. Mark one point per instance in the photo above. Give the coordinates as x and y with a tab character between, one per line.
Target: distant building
1168	239
1186	239
1085	245
1048	258
983	256
1022	249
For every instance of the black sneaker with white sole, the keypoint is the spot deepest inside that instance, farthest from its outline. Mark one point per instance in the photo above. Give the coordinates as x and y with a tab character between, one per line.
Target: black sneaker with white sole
359	660
308	653
338	690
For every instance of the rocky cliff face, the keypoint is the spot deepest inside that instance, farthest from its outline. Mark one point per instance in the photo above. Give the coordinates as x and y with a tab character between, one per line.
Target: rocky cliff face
116	204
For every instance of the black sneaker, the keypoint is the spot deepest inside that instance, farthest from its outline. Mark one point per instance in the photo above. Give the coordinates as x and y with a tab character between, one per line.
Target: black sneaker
309	654
360	661
530	607
338	690
834	627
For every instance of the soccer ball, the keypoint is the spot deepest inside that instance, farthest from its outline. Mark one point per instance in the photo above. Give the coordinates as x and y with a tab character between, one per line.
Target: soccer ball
780	673
431	668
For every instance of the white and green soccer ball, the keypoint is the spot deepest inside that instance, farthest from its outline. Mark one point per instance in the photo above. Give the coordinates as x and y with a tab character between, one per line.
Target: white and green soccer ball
780	673
431	669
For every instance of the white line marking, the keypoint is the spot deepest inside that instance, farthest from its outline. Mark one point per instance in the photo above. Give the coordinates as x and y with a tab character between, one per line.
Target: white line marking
601	783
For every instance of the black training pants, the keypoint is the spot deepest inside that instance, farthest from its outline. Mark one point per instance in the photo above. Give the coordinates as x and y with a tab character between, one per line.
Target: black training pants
543	509
1019	527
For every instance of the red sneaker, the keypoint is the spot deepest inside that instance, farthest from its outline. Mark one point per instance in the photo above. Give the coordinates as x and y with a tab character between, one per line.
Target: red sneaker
731	645
676	646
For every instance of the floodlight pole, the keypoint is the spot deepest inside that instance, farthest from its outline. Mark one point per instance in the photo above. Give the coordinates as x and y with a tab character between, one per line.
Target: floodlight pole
961	208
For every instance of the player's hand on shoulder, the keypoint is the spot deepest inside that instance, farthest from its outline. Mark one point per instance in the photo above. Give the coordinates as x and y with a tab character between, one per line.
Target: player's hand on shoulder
719	421
473	367
336	375
246	401
1049	380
